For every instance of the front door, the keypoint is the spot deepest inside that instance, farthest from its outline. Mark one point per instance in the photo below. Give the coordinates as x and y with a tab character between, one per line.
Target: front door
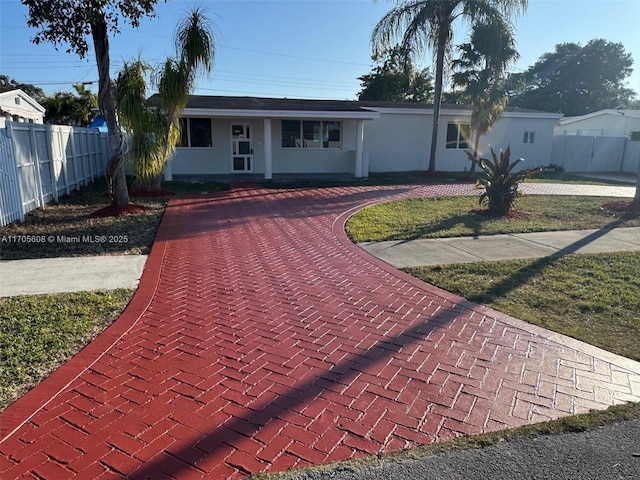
241	148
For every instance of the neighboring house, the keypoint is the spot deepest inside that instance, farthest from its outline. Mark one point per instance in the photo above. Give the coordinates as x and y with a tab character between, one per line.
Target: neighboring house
603	123
17	106
267	136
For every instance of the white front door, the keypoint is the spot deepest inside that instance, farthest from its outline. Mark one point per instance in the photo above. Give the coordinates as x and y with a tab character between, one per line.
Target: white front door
241	148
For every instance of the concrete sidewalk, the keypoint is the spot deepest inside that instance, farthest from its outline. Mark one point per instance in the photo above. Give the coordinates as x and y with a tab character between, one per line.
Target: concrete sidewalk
415	253
69	274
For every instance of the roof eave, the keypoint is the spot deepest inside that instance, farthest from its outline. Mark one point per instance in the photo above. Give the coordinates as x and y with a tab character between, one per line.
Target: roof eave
241	113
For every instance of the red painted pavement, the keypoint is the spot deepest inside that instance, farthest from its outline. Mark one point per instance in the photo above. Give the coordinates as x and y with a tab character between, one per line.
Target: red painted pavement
261	339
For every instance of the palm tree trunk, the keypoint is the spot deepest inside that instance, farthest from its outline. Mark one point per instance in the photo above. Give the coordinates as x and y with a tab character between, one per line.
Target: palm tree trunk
475	154
114	171
437	100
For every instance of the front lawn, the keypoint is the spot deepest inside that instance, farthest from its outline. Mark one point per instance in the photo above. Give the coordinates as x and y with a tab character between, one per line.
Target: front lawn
417	218
38	333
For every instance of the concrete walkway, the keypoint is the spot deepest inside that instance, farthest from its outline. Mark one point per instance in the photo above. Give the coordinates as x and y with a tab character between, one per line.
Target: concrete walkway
70	274
415	253
260	339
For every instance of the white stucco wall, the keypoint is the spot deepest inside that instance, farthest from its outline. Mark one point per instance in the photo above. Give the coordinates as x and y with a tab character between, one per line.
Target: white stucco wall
397	141
217	159
605	125
401	141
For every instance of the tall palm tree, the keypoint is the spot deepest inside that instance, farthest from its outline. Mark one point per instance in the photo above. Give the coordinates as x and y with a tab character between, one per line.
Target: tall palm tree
481	72
418	25
156	131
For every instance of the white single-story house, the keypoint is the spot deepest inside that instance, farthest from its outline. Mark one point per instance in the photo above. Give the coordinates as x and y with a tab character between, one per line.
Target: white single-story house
603	123
267	136
17	106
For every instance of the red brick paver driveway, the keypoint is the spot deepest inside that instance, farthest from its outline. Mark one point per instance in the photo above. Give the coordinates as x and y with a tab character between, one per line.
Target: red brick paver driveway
260	339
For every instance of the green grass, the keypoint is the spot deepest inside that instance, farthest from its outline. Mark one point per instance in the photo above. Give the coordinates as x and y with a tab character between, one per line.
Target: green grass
594	298
418	218
38	333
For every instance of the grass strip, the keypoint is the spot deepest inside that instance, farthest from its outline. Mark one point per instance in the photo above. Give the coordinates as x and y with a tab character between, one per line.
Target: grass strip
38	333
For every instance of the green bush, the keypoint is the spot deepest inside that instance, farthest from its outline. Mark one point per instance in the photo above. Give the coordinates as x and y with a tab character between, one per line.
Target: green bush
499	181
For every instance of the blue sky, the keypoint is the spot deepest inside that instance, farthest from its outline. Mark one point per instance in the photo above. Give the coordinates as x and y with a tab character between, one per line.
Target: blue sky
298	48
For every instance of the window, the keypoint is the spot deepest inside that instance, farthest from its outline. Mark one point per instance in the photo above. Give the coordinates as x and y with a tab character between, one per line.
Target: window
195	132
17	100
529	137
310	134
458	135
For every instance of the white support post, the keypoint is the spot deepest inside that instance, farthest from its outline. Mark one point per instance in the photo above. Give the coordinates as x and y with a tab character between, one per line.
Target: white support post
268	161
359	142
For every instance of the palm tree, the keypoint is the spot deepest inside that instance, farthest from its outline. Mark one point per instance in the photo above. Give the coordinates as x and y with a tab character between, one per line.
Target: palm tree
481	72
156	130
421	24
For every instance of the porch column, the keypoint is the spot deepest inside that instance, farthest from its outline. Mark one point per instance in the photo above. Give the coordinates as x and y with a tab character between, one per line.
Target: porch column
359	141
268	165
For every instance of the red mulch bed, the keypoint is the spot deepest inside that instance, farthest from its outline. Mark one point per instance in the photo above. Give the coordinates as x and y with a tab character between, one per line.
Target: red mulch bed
628	207
490	214
115	211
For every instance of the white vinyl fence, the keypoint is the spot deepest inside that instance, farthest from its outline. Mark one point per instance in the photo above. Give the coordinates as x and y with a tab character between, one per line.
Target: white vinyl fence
596	154
38	163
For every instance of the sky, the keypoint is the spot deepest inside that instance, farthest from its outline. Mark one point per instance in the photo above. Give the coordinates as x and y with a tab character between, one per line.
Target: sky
297	48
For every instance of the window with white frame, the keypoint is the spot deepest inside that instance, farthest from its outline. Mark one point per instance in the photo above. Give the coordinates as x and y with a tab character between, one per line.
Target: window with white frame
458	135
529	137
195	132
311	134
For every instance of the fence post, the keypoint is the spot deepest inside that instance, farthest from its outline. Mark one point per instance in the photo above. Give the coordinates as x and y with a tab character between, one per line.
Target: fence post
36	157
54	179
15	167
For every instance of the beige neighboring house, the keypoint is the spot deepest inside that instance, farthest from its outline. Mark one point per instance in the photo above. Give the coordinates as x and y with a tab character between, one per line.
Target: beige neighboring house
17	106
603	123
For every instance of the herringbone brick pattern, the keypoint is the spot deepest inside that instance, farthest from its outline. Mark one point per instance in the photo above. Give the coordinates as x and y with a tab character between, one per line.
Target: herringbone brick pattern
261	339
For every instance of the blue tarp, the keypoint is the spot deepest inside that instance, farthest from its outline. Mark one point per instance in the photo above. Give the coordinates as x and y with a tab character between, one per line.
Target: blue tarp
99	123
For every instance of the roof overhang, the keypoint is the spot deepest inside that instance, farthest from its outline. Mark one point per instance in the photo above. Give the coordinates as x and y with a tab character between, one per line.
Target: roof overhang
26	98
463	112
599	113
238	113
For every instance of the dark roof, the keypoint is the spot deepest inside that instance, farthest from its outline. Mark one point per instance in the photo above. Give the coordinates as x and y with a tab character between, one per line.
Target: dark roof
256	103
214	102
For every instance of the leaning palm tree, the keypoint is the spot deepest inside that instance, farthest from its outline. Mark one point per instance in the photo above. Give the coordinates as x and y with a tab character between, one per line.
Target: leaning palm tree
418	25
155	131
481	73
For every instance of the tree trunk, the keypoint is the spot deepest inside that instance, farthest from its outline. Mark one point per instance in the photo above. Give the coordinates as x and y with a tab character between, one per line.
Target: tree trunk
114	171
475	154
437	100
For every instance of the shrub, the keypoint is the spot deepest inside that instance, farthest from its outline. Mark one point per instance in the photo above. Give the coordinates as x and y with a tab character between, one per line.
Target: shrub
500	182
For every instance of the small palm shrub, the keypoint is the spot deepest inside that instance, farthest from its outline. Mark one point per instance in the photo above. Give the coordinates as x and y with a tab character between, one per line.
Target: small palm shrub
500	182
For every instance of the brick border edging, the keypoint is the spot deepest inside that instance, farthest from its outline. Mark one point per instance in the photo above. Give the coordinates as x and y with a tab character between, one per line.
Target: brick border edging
25	407
339	230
